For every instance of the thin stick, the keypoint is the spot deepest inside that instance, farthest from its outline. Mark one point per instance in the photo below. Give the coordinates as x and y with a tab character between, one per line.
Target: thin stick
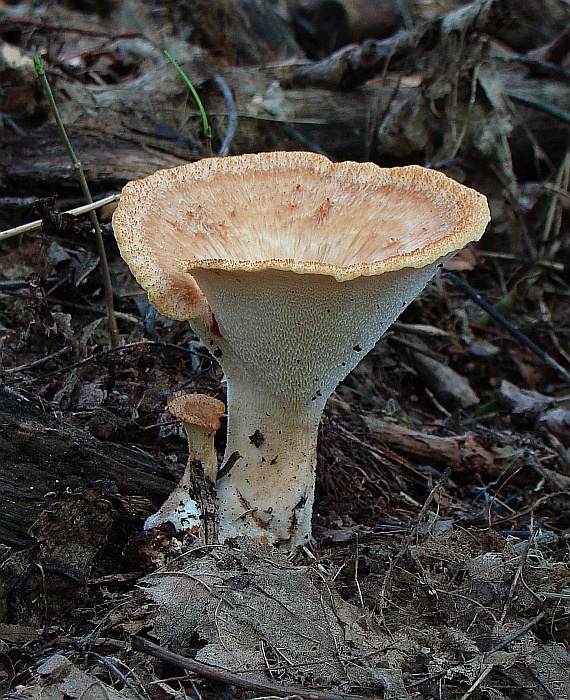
35	225
205	124
222	675
518	574
119	348
553	216
485	655
111	320
562	114
479	680
35	363
478	299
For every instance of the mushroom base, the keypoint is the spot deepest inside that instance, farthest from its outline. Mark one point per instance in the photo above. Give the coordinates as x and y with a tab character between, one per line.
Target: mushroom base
269	492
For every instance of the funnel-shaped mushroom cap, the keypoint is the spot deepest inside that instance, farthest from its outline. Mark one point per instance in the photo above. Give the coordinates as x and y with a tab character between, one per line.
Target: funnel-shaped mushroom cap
290	268
288	211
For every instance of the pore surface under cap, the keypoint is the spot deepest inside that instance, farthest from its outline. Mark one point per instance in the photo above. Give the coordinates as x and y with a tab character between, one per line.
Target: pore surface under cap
287	211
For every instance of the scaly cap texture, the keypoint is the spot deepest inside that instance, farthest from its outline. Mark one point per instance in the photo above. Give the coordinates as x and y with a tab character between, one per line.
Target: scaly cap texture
292	211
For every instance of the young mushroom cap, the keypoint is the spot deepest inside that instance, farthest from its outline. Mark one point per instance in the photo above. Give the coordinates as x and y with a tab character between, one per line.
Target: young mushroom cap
290	268
200	415
198	410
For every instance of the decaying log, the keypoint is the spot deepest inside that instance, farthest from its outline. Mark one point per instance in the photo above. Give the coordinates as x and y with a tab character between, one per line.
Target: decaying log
438	94
40	455
108	161
355	64
122	137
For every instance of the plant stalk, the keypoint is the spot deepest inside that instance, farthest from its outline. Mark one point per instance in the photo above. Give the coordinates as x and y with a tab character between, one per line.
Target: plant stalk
108	288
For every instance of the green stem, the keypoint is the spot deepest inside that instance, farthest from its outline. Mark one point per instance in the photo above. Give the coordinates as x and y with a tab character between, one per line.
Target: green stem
111	320
205	124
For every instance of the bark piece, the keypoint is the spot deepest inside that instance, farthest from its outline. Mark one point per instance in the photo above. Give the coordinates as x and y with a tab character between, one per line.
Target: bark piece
39	454
41	157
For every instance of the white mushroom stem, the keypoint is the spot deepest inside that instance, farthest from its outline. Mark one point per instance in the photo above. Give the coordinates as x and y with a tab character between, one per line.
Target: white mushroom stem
270	490
284	347
200	449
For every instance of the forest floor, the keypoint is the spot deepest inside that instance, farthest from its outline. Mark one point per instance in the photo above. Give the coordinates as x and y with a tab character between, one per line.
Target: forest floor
440	563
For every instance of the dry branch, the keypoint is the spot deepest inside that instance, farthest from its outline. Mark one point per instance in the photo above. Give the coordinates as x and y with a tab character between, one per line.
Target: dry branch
460	453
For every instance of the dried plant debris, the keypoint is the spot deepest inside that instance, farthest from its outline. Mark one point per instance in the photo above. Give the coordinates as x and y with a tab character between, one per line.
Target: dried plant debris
255	613
458	608
58	678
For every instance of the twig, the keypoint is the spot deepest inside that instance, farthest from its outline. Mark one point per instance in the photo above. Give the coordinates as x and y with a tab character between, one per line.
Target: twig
418	520
35	363
554	214
14	285
516	635
111	320
120	348
501	645
521	259
66	29
541	68
478	299
541	683
304	141
530	509
8	121
114	671
477	682
562	114
35	225
222	675
518	574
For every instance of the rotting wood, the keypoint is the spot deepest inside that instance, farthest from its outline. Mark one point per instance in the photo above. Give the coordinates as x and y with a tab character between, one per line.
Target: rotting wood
40	158
354	125
40	455
353	65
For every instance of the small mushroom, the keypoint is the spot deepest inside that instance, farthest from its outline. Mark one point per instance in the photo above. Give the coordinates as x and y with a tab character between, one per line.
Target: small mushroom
289	268
200	415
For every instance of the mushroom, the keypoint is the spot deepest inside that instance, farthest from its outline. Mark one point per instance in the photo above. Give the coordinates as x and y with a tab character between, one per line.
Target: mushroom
200	415
289	268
